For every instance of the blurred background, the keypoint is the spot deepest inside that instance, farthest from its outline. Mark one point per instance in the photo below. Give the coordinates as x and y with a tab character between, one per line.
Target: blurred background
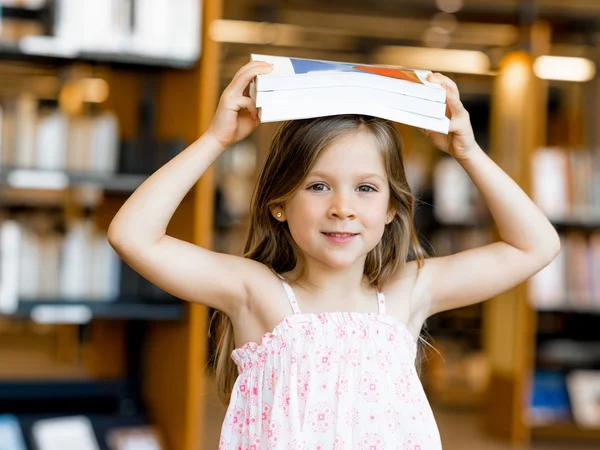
97	94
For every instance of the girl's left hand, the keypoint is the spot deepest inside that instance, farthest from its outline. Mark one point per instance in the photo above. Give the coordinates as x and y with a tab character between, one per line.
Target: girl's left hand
460	139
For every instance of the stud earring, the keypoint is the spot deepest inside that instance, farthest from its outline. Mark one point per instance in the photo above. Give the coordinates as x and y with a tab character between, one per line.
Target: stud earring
279	215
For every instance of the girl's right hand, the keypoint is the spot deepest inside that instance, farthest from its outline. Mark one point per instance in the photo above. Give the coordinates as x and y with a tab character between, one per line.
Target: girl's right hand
236	115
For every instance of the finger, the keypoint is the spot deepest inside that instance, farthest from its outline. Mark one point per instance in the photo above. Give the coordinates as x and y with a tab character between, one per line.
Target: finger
454	105
242	79
241	102
446	82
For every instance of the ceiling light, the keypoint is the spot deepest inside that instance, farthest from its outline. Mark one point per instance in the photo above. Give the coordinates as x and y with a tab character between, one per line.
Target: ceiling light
564	68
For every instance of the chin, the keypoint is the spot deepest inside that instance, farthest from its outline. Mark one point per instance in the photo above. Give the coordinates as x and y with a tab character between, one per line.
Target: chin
340	262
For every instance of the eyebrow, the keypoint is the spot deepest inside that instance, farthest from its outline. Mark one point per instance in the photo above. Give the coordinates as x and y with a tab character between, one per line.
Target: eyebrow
361	175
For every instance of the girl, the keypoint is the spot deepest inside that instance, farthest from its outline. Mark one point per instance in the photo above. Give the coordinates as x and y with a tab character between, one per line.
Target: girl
325	311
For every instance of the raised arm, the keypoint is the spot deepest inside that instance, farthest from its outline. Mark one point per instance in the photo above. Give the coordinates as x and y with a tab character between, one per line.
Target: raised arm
528	241
137	232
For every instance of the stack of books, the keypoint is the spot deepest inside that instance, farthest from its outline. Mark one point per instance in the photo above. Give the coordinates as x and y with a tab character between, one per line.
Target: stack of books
306	88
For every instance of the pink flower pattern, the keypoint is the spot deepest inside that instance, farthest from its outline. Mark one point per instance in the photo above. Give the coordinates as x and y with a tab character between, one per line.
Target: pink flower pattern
334	380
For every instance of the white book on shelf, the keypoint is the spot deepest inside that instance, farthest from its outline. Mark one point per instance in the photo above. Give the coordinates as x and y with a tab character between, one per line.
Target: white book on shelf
26	116
104	279
151	28
452	192
10	246
11	436
51	141
185	36
79	143
104	145
550	185
584	393
299	73
7	142
64	433
340	94
49	278
76	261
277	114
29	271
595	269
547	289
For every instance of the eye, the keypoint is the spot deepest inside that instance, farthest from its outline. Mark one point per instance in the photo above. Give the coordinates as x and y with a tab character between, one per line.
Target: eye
366	188
318	187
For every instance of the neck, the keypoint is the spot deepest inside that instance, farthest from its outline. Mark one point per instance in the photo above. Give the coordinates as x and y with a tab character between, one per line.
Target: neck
318	278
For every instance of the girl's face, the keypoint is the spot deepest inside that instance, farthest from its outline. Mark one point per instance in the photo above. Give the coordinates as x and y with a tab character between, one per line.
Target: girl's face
339	212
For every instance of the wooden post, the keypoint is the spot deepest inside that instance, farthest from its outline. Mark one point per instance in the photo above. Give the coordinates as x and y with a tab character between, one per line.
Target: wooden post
176	356
517	127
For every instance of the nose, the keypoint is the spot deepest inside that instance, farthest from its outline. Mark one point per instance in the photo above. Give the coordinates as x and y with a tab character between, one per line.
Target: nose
341	207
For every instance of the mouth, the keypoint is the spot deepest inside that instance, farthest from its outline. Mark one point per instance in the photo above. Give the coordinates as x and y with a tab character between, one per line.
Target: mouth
339	235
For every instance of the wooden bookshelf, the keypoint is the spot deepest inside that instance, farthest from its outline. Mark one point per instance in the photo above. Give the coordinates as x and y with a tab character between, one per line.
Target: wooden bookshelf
512	327
156	350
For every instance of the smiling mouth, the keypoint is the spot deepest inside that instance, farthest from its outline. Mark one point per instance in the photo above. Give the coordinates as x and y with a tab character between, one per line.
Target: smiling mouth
339	234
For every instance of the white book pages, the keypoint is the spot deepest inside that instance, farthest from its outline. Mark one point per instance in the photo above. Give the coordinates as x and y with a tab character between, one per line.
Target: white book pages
341	94
68	433
277	114
51	141
10	248
550	186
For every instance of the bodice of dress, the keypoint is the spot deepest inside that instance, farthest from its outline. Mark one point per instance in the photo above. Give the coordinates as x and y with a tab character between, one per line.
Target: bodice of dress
336	380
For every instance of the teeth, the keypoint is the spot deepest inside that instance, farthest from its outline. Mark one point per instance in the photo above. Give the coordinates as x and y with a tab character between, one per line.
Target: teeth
340	234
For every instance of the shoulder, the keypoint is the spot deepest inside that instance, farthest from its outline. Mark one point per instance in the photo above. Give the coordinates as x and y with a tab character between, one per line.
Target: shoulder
406	294
262	286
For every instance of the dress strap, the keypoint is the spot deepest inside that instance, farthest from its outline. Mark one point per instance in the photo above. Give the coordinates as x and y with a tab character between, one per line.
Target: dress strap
381	302
291	296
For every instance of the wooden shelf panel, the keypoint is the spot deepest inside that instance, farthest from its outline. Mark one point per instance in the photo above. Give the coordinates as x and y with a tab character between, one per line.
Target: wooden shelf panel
567	430
73	311
50	179
12	51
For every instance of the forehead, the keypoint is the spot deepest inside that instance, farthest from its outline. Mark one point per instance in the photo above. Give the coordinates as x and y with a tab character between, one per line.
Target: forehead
352	152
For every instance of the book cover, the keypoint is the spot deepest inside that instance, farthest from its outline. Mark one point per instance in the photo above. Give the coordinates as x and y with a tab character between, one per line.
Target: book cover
298	73
584	390
11	436
135	438
65	433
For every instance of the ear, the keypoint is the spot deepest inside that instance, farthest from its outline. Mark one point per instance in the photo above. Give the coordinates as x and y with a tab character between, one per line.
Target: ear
390	216
277	212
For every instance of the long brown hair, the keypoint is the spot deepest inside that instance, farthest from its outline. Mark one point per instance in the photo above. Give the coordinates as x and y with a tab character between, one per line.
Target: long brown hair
294	150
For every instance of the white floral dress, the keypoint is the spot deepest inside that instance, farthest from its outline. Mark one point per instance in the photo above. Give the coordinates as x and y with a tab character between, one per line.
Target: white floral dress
338	380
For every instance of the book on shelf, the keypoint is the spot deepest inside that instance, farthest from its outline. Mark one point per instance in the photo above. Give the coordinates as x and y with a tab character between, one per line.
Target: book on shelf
564	185
299	88
549	402
11	436
572	280
65	433
584	391
134	438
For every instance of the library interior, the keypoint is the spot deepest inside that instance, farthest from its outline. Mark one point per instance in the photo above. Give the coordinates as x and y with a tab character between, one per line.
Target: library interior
95	357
